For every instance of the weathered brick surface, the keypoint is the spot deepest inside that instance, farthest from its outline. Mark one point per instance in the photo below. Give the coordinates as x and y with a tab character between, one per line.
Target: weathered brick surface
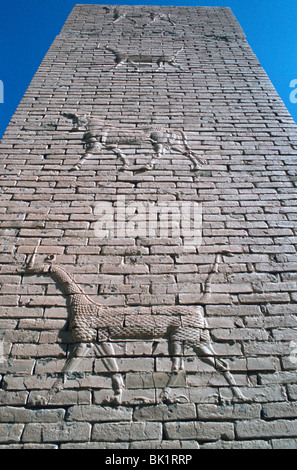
218	94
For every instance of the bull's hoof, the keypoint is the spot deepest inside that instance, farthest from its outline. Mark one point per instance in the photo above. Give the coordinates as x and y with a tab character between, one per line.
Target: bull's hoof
145	168
115	400
175	399
242	399
167	399
143	401
39	401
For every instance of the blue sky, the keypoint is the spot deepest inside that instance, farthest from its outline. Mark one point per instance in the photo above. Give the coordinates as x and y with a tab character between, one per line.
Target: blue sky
28	27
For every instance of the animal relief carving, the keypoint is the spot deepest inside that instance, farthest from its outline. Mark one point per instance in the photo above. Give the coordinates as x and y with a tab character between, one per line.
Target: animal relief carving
100	136
143	60
118	15
93	325
160	17
153	17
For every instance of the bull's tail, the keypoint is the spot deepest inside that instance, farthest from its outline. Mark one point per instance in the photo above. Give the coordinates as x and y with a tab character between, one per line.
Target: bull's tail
189	152
213	271
177	52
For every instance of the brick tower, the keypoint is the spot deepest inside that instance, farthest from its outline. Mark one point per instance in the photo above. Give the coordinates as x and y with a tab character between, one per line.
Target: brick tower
148	224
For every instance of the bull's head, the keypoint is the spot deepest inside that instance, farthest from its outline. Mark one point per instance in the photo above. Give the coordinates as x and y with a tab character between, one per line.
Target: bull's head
77	121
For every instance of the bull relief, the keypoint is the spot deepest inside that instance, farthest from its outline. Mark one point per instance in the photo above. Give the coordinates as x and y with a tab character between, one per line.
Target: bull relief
160	18
118	15
93	325
100	136
142	61
152	17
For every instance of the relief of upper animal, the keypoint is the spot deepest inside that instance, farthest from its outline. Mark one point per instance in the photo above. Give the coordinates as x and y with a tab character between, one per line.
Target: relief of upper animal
147	18
139	61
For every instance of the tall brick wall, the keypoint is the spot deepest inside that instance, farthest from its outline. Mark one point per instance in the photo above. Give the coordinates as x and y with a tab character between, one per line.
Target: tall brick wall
214	90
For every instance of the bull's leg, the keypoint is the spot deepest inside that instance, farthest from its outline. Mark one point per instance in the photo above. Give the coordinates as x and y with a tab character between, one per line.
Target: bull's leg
88	153
172	60
117	64
159	150
118	18
106	349
119	58
175	351
174	64
78	353
209	356
134	64
197	162
160	64
119	153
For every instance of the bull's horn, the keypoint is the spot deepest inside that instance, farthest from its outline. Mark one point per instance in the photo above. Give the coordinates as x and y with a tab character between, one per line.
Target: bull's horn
227	253
32	258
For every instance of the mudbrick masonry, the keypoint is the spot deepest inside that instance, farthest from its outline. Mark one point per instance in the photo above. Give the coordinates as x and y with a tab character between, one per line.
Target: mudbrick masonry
148	235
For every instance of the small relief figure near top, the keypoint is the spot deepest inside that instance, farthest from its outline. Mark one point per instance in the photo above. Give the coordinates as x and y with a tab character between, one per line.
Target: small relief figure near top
160	17
138	61
120	14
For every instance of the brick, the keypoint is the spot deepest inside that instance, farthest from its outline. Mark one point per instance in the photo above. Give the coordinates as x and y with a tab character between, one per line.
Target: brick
199	430
282	378
279	410
129	396
115	432
95	413
13	398
165	413
214	412
284	443
262	363
165	445
292	391
65	397
126	365
23	415
249	444
17	366
262	429
10	433
66	432
236	310
32	433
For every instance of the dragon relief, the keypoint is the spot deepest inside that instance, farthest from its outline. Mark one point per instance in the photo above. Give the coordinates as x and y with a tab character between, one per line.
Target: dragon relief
93	325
